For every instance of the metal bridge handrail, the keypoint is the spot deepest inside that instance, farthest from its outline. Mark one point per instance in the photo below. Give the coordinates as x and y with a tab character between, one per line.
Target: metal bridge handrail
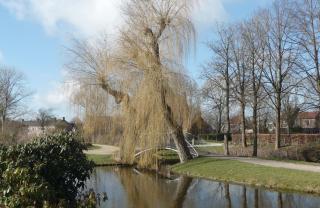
190	146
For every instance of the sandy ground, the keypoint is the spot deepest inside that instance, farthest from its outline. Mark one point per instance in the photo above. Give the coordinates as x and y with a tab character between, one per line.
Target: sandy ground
103	150
276	164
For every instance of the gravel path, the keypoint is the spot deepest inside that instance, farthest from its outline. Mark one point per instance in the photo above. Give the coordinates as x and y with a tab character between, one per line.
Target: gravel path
102	150
272	163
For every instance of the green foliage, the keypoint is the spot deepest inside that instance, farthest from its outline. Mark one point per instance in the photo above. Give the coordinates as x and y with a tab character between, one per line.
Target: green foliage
215	136
49	170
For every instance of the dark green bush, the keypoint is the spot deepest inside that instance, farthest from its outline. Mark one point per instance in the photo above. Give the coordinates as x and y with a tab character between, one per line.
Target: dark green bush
48	171
215	136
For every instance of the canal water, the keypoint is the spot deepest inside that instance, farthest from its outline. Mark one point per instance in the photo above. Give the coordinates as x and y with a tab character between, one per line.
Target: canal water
129	188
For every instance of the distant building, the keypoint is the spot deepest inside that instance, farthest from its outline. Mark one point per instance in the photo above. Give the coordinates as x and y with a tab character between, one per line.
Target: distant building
308	120
34	127
235	124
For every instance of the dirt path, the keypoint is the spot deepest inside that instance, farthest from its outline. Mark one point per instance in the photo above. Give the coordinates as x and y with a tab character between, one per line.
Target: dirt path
102	150
272	163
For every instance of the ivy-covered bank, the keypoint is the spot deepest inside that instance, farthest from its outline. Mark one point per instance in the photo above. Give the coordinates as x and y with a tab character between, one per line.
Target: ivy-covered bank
47	172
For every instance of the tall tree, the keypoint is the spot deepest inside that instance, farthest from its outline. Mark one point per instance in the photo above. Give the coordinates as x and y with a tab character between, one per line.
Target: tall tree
139	72
306	15
218	70
281	59
254	38
241	77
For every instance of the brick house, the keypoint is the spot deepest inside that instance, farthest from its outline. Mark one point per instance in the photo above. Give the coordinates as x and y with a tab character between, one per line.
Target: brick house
308	120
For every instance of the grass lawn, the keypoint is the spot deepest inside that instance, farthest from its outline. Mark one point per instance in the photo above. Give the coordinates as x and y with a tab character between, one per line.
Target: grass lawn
256	175
214	149
101	160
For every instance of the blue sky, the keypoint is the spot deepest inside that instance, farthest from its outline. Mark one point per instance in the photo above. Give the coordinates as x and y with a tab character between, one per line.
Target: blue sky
34	34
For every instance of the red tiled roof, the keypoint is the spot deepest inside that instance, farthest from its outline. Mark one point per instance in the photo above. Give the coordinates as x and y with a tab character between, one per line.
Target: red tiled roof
308	115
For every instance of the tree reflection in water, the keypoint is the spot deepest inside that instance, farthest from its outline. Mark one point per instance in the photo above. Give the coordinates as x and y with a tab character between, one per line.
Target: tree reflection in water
128	188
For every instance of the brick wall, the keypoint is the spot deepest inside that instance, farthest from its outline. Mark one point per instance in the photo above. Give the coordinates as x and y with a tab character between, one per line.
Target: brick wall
293	139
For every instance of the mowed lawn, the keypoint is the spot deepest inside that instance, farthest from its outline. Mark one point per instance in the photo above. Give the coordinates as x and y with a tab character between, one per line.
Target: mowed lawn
100	160
251	174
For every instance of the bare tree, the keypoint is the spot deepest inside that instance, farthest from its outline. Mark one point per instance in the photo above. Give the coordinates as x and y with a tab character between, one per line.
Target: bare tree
281	60
306	15
12	94
214	104
44	116
137	72
220	68
254	38
240	79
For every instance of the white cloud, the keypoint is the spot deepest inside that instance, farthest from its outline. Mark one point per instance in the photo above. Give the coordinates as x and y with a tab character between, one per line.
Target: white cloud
85	16
208	12
90	17
57	97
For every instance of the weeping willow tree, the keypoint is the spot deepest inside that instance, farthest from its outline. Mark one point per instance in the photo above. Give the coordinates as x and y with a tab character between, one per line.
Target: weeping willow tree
142	73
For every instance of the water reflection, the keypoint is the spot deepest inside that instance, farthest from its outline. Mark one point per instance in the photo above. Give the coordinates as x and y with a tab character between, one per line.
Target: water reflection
130	188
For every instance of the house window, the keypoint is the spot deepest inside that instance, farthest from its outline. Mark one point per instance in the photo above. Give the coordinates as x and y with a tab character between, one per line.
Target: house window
307	122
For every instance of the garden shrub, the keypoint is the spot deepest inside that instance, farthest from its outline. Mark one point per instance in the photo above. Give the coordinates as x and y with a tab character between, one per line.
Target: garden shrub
47	171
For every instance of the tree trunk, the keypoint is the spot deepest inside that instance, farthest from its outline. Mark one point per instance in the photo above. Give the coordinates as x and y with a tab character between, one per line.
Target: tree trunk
175	129
256	198
181	191
278	121
226	136
280	201
3	119
244	197
243	126
181	145
227	195
255	127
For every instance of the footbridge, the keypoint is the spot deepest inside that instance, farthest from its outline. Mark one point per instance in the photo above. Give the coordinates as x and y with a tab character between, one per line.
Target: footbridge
189	138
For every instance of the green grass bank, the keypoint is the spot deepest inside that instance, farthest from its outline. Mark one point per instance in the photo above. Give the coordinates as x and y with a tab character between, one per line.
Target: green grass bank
102	160
250	174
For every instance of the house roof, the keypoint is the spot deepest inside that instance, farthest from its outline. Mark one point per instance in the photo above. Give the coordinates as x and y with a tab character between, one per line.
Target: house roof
235	119
35	123
309	115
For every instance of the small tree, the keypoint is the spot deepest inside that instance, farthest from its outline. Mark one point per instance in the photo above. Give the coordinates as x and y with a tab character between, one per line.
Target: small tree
44	117
12	94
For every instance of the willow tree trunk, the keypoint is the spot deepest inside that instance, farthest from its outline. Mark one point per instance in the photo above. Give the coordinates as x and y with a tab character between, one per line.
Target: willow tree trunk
181	191
175	129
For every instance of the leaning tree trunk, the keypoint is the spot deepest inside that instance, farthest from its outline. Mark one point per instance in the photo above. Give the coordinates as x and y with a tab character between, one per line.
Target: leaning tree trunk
175	129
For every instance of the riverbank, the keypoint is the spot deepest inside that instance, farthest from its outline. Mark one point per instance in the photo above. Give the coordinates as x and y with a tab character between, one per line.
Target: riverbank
102	160
251	174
